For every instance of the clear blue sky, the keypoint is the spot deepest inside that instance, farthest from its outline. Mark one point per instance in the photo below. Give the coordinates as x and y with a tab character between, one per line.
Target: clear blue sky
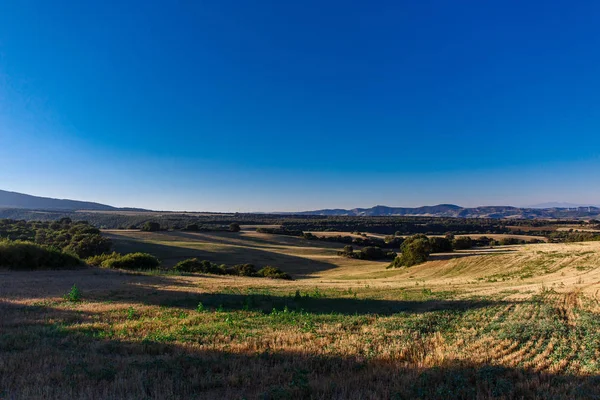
276	105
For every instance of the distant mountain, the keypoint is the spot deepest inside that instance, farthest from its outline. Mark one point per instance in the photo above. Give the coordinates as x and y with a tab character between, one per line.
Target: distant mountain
555	204
454	211
19	200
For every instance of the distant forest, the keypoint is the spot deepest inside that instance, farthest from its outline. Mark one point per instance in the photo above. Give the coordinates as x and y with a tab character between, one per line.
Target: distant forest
382	225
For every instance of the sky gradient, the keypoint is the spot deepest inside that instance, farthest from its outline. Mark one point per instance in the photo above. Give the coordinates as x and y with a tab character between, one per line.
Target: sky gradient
282	106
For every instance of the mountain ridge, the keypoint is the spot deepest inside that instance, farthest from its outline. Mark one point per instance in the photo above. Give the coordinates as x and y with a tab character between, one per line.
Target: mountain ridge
454	211
10	199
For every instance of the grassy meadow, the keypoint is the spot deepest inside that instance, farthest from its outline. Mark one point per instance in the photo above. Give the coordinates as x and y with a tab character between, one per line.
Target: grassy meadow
509	323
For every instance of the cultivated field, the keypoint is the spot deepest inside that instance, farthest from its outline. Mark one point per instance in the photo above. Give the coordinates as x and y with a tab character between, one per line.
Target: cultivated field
510	322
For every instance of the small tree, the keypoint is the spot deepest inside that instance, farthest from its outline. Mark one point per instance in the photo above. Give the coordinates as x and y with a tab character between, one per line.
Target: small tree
234	227
415	250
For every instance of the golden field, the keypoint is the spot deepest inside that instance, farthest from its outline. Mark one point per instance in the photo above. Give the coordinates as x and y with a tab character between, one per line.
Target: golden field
511	322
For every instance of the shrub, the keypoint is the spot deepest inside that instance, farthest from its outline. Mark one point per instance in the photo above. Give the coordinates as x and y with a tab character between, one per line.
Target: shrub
132	261
415	250
234	227
88	245
192	227
507	241
73	295
97	261
20	255
462	243
196	266
273	273
193	265
244	270
440	245
151	226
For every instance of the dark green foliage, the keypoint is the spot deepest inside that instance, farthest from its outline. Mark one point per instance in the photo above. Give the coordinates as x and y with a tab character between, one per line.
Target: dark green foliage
192	228
462	243
367	253
280	231
151	226
511	241
73	295
415	250
234	227
244	270
133	261
21	255
78	238
273	273
440	245
193	265
196	266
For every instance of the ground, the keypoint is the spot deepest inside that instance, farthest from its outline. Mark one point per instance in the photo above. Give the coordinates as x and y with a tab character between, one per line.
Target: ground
509	322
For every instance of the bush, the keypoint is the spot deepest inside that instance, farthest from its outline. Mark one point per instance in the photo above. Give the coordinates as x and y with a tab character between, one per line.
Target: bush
97	261
73	295
193	265
462	243
244	270
440	245
151	227
192	227
415	250
20	255
273	273
234	227
131	261
196	266
507	241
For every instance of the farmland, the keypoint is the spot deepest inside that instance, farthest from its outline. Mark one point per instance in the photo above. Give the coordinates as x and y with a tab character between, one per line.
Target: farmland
504	322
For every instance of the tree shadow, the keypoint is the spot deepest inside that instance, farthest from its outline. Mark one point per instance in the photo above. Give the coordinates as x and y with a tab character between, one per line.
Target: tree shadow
53	354
155	291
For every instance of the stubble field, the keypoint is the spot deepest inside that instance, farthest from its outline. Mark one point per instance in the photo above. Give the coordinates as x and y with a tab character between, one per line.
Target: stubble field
510	322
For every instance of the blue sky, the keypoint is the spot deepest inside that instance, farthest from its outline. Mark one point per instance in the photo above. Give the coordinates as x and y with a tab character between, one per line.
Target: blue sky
262	106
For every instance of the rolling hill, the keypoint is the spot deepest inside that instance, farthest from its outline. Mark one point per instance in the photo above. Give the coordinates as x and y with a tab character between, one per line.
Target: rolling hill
20	200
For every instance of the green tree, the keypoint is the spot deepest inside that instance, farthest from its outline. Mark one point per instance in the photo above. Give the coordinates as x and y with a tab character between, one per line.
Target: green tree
415	250
234	227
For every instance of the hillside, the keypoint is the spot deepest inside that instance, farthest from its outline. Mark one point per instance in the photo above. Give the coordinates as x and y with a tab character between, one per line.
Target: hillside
450	210
20	200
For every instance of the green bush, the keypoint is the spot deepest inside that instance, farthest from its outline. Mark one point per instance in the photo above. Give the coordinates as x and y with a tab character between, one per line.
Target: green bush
415	250
244	270
440	245
97	261
273	273
151	226
131	261
73	295
19	255
193	265
462	243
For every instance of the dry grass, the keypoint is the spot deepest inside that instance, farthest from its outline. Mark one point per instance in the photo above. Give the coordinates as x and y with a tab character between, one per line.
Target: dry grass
476	326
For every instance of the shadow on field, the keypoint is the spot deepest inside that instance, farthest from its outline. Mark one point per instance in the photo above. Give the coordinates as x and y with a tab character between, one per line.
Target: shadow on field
171	255
148	290
50	353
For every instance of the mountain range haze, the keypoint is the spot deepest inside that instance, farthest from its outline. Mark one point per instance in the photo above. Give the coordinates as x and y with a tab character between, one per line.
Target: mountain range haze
18	200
